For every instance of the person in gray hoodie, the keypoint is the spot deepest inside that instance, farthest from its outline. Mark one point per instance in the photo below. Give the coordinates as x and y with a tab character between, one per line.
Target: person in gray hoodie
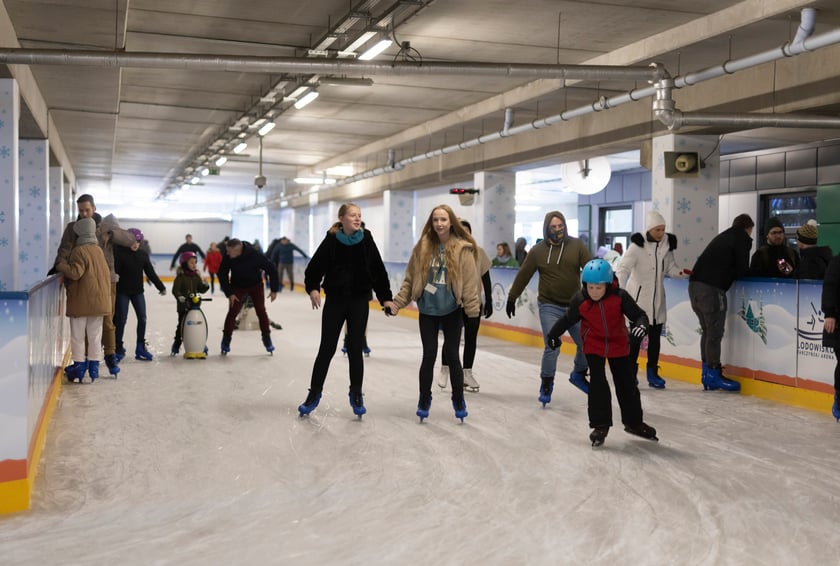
559	259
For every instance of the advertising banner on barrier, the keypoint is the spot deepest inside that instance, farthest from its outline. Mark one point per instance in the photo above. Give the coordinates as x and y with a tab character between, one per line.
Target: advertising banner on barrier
815	362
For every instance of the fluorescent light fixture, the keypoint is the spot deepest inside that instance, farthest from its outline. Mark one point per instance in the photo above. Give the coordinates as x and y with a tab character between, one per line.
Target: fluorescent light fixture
267	127
364	38
242	146
340	171
314	181
346	81
308	97
204	171
380	46
221	161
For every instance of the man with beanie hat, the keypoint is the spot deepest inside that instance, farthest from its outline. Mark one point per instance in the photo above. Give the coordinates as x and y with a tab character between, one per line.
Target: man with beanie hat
813	259
775	258
642	271
88	299
559	259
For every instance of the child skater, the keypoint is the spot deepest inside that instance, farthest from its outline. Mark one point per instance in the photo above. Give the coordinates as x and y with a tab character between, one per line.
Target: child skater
601	307
88	300
187	282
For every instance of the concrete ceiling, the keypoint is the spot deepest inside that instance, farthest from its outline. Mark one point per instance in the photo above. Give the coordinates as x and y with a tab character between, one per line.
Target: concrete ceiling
130	134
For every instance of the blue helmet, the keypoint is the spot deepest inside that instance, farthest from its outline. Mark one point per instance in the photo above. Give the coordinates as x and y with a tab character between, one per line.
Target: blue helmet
597	271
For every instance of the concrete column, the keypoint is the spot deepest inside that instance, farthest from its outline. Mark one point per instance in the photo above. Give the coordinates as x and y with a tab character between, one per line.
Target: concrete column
494	214
9	196
689	204
398	239
57	217
34	229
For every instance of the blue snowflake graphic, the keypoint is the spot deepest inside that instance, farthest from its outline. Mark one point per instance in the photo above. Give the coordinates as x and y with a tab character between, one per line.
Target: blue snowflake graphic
491	218
2	216
500	189
4	242
2	124
699	219
23	257
711	202
34	191
686	241
3	286
5	152
684	205
39	149
20	153
37	237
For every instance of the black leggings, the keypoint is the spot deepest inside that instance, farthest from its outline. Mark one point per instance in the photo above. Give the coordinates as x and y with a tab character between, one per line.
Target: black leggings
451	325
335	312
470	341
600	398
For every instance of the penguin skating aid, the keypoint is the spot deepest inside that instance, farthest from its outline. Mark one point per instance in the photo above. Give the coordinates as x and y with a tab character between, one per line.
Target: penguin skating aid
194	330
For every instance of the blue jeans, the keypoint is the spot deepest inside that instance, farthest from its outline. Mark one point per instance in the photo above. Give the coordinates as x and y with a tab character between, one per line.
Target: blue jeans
121	316
549	314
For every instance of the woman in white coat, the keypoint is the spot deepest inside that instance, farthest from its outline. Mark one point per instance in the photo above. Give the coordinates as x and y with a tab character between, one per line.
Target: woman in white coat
649	258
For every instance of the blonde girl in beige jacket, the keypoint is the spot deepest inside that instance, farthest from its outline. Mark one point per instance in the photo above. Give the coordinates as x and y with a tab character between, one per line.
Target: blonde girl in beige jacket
442	277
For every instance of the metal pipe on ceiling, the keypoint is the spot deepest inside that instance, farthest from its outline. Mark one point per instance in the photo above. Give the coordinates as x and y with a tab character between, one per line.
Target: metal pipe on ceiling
676	119
276	65
729	67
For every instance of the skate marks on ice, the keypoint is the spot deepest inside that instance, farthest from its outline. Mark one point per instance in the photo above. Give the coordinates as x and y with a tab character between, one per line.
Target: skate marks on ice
197	461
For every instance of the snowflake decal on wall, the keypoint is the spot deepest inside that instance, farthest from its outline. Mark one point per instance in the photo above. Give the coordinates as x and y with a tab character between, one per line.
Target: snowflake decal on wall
684	205
4	242
5	152
711	202
23	257
491	218
34	191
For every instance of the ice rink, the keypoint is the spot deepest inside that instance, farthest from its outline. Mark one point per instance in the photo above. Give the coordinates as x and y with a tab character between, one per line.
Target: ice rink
207	462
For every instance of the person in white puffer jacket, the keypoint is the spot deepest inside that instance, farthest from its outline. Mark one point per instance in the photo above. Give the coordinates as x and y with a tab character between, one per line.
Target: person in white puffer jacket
641	272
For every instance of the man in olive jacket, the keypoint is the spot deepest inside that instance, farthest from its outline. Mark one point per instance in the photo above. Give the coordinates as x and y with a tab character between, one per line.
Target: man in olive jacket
559	259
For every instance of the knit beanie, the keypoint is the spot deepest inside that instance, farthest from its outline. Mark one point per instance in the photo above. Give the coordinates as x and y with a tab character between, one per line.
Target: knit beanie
807	233
85	229
653	220
773	222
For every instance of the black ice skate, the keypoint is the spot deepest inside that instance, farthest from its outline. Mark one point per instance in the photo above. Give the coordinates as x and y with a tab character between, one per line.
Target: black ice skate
642	430
598	435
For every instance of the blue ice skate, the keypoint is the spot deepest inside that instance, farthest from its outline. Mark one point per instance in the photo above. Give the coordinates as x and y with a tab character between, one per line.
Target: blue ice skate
93	370
225	344
311	402
357	402
423	406
653	378
578	379
460	407
835	409
546	388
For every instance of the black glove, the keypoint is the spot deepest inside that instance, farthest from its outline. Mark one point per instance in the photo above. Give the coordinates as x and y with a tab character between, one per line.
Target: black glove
638	331
510	309
162	292
488	309
553	341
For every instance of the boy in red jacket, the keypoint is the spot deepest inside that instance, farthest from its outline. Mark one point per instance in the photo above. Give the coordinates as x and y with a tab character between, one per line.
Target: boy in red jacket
601	306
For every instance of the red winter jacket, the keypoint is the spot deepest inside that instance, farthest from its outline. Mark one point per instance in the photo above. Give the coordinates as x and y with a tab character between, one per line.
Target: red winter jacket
602	327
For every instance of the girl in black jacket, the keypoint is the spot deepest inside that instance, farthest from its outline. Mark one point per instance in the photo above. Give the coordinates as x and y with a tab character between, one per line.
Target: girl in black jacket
347	265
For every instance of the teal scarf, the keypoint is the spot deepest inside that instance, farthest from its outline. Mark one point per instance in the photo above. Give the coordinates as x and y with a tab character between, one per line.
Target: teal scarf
352	239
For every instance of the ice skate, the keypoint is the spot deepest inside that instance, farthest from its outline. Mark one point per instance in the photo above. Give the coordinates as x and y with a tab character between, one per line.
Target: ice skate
423	406
119	353
460	407
470	384
578	379
366	351
225	344
546	389
75	372
642	430
112	362
357	402
714	380
598	435
311	402
141	353
93	370
176	347
653	378
275	325
266	340
835	408
443	377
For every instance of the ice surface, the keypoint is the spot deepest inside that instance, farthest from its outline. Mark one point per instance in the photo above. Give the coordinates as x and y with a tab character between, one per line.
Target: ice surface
207	462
